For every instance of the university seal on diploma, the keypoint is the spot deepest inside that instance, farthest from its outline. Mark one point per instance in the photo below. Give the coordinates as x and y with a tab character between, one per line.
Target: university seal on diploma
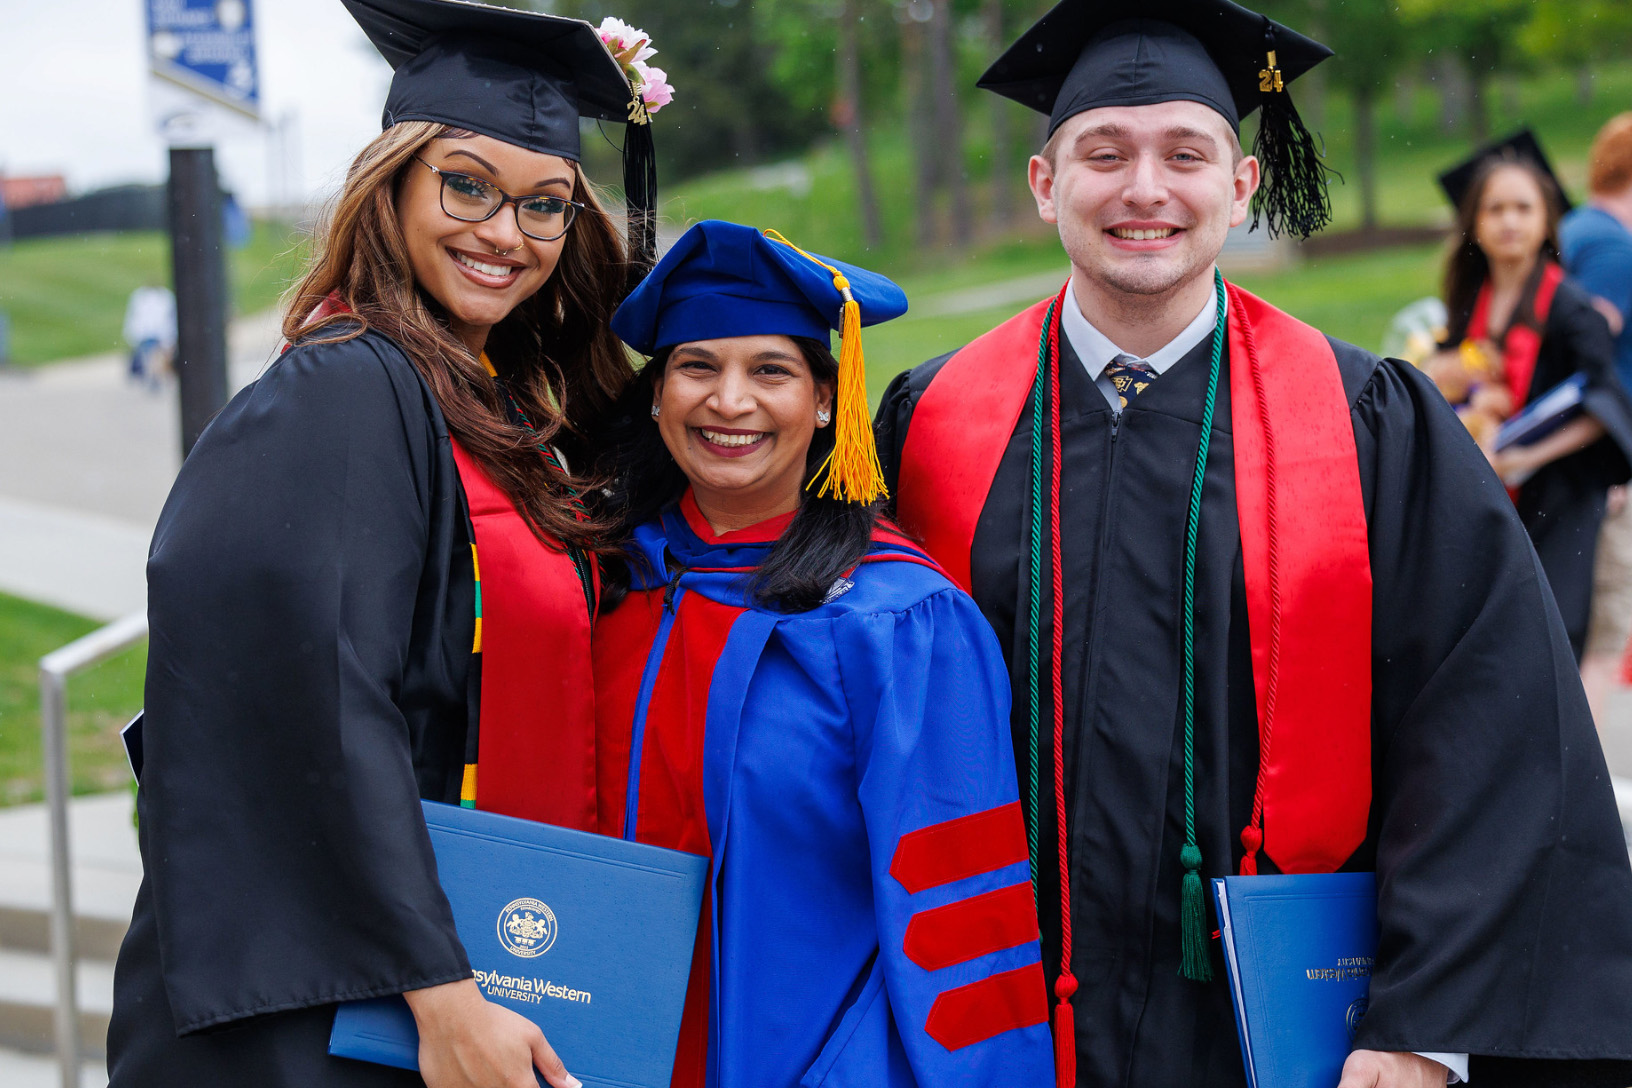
527	928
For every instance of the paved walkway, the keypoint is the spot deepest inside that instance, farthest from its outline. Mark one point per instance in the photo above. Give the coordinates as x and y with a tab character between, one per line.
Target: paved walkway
86	460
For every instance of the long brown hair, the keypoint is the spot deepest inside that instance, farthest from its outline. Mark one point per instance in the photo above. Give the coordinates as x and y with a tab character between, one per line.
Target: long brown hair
560	360
1467	267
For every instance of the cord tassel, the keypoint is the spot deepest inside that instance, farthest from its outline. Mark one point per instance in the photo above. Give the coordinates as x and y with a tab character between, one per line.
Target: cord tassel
1065	1033
1195	964
640	198
1195	961
853	473
1293	197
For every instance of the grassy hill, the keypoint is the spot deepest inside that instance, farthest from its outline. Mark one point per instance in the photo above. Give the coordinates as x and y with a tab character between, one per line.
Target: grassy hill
66	295
100	700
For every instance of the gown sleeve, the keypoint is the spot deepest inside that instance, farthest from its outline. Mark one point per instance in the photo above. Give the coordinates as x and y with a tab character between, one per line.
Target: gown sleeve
282	834
1591	351
955	912
1504	892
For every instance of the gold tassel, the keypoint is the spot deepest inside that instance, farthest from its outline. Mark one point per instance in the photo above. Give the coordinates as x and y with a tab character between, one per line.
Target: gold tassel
851	472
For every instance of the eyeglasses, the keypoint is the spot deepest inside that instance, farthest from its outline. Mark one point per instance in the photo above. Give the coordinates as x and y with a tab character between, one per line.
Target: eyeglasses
473	200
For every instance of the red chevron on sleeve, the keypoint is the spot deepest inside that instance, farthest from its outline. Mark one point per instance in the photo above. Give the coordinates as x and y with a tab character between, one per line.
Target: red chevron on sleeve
974	1013
971	927
964	847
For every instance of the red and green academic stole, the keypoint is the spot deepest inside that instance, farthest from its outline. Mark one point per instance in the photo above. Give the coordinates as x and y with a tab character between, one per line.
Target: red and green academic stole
1522	342
511	760
1304	552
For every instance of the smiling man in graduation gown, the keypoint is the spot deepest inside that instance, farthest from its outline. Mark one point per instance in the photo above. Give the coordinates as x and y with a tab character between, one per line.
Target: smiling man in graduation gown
1265	606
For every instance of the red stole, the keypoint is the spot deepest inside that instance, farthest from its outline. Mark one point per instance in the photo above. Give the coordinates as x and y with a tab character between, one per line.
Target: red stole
1521	343
537	754
536	757
1303	544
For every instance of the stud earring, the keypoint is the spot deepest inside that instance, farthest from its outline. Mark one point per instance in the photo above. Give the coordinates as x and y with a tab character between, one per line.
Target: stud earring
822	416
655	411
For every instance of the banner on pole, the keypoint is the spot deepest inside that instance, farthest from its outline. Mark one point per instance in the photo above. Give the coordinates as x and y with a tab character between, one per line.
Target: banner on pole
205	48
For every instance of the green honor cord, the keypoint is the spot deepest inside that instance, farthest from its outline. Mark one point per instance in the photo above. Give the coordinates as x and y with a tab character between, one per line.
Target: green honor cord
1195	963
1039	393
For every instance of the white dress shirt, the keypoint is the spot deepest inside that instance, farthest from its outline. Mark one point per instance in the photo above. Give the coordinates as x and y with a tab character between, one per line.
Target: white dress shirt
1096	351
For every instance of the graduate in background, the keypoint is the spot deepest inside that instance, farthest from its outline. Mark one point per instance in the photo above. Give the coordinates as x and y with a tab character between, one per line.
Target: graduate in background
794	690
1266	607
323	653
1509	304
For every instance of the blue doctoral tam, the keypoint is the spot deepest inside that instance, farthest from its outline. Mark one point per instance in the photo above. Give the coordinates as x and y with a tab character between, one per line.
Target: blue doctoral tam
724	279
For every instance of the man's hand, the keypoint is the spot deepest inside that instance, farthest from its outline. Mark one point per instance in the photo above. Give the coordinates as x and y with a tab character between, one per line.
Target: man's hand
1382	1069
466	1041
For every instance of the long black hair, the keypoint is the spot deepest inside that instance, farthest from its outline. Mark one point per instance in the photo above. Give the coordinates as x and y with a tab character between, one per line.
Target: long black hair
826	538
1467	267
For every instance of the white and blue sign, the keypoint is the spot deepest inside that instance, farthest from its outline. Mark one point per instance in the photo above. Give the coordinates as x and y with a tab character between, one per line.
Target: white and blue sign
207	47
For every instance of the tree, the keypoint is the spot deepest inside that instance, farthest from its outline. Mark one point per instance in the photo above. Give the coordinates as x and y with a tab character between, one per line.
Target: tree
729	108
1373	36
1577	34
1485	35
947	142
848	116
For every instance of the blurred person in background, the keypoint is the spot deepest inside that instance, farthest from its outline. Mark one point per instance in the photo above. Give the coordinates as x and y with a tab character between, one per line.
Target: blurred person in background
373	582
150	331
1510	307
1596	240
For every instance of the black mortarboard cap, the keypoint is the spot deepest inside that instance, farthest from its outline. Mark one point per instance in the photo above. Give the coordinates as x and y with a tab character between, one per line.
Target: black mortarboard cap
1085	54
1521	146
517	76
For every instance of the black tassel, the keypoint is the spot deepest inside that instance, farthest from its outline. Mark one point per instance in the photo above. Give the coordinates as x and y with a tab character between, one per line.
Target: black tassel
640	198
1292	195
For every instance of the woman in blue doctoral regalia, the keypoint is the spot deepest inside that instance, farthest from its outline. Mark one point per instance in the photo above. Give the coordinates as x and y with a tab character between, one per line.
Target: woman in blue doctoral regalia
796	691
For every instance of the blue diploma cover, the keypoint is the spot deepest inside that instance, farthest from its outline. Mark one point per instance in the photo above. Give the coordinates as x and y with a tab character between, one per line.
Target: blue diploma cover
1542	417
1299	952
587	936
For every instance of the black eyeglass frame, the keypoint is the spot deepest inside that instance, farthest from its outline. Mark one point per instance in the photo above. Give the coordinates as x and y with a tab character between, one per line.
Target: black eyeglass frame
573	206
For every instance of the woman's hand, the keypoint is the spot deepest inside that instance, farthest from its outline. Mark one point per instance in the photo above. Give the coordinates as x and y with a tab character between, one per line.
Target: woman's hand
466	1041
1446	369
1517	463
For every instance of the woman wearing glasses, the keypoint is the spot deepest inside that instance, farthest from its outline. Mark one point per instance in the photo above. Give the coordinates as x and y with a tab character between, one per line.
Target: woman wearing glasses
373	582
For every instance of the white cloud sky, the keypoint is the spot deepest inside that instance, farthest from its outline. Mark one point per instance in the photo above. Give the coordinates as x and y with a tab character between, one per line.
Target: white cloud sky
74	95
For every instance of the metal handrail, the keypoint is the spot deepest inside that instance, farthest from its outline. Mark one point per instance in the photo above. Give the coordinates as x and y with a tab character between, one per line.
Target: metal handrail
55	668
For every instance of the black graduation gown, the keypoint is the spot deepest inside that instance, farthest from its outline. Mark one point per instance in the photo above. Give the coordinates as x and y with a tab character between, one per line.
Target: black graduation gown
312	610
1505	892
1562	505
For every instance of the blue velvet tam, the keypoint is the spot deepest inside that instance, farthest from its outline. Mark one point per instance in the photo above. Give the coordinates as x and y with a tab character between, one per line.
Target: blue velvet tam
724	279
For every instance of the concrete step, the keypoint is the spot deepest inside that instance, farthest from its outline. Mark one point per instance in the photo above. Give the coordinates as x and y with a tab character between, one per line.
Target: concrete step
107	870
20	1070
107	864
26	929
28	1001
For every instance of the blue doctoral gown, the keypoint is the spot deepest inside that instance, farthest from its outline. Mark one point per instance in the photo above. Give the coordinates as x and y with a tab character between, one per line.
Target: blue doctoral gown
870	917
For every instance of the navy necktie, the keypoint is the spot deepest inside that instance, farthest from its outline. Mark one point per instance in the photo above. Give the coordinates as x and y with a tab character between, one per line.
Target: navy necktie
1130	376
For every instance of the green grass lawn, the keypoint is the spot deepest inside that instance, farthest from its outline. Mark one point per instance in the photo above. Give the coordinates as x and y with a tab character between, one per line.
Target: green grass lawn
66	295
100	701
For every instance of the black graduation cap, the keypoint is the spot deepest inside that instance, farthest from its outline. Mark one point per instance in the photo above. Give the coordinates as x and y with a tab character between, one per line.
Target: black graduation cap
517	76
1521	146
1085	54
